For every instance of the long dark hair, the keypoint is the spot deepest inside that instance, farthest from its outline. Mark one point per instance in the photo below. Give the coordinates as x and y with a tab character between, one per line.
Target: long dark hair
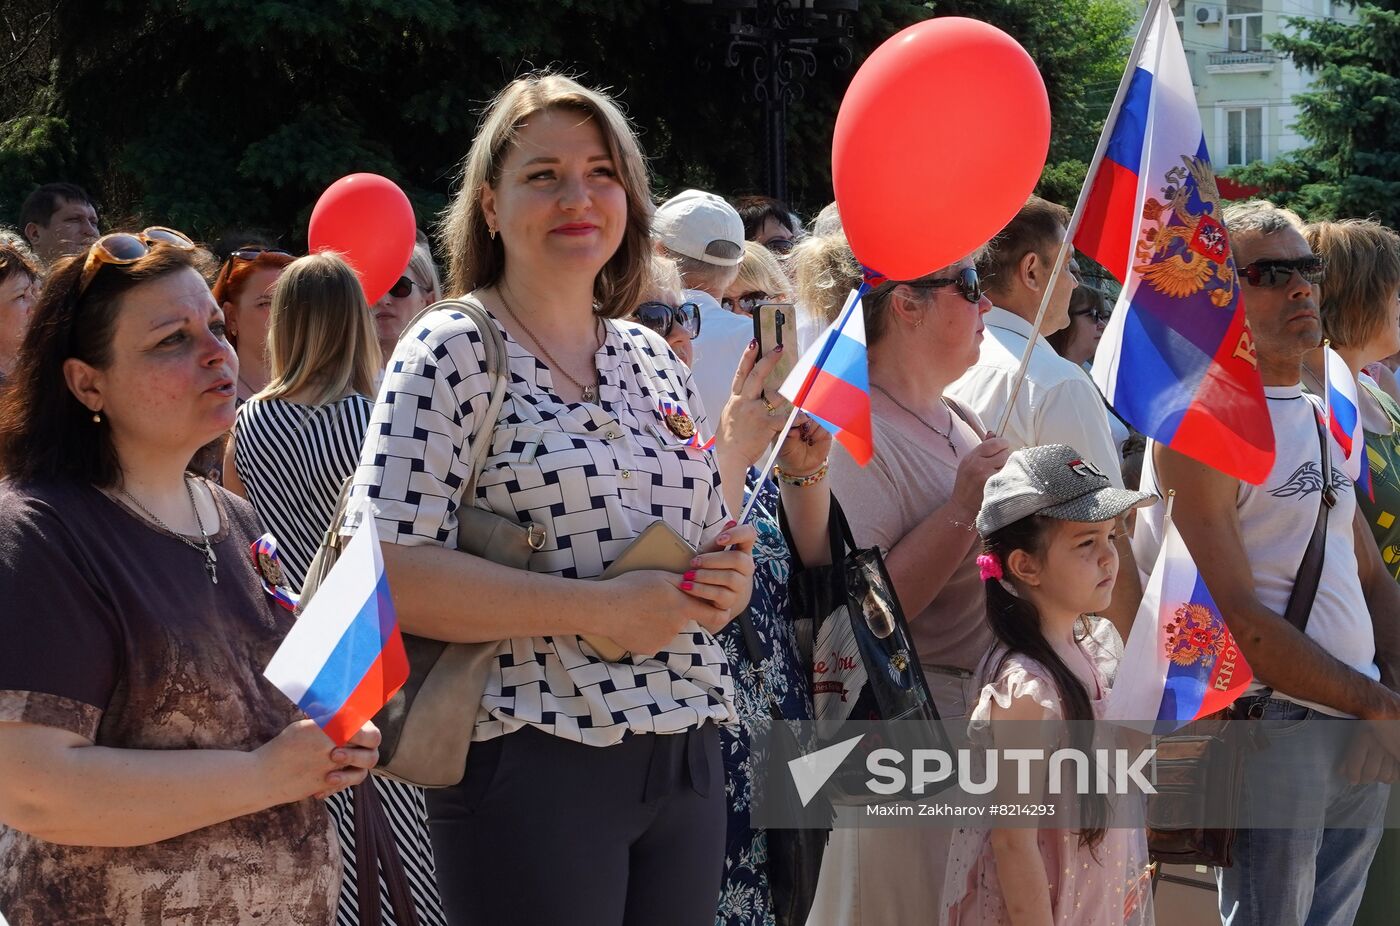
1015	622
45	432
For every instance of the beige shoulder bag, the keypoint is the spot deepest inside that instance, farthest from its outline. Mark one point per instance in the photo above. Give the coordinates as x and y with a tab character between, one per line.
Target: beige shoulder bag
427	727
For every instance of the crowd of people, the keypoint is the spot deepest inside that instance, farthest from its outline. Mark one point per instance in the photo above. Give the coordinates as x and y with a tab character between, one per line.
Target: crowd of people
163	404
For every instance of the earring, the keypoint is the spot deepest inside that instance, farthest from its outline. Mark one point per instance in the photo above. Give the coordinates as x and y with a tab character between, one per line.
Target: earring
490	230
96	417
919	322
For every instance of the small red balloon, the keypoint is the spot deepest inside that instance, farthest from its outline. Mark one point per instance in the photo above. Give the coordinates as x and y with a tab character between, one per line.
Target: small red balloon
369	221
940	139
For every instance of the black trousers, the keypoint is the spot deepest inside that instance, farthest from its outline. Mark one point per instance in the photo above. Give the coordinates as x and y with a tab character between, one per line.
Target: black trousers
551	832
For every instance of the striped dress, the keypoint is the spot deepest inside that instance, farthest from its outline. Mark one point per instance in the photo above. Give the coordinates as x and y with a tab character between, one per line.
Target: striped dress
292	459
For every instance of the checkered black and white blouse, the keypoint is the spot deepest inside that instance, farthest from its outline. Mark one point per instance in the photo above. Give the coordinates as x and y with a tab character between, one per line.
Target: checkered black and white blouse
592	475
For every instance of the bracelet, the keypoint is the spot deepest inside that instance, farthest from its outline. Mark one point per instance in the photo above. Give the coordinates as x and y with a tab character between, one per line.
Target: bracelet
800	482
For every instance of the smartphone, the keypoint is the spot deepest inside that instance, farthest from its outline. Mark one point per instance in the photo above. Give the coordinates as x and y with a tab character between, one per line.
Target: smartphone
774	324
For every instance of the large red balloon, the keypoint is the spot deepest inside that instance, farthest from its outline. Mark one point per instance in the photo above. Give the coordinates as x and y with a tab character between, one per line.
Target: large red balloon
941	136
369	221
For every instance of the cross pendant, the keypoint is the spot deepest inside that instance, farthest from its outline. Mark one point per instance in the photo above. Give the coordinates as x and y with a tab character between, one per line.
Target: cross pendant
211	565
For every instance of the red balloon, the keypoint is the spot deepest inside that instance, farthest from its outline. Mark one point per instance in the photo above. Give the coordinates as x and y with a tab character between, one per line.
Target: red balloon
369	221
941	137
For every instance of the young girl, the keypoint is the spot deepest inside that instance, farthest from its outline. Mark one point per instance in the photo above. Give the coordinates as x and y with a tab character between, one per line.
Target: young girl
1048	521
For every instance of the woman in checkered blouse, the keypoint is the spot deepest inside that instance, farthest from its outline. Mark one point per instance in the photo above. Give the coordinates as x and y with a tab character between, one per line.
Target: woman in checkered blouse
595	790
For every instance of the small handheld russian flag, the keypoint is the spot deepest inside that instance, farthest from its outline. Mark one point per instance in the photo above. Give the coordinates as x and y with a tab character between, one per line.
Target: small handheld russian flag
1344	420
831	383
344	659
1181	662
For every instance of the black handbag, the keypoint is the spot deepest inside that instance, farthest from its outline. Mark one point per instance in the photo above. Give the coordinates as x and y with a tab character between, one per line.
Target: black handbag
794	855
852	631
1200	768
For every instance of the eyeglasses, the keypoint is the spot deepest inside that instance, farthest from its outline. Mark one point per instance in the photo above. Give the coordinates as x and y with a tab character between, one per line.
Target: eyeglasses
1271	273
662	318
123	248
403	288
255	253
780	246
967	281
746	303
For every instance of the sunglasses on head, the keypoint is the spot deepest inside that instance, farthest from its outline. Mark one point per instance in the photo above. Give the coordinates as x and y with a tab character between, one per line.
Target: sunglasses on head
124	248
1271	273
967	281
403	288
662	318
255	252
746	303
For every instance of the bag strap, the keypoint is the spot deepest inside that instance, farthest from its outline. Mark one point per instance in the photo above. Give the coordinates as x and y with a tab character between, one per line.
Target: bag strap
377	851
1300	600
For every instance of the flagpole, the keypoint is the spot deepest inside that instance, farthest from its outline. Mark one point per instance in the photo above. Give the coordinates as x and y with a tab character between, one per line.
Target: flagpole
1078	216
767	468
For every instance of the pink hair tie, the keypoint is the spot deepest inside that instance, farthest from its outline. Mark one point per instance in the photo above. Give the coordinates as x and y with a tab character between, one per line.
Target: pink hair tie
989	567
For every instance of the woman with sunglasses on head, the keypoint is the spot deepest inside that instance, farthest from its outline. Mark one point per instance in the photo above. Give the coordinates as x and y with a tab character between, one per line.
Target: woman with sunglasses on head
292	447
917	499
760	280
143	756
243	288
593	790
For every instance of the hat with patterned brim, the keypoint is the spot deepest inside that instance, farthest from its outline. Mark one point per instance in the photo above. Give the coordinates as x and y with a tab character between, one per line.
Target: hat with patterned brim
1054	481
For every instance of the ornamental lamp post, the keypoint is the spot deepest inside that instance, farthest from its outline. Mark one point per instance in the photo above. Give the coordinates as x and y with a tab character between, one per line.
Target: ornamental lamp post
776	44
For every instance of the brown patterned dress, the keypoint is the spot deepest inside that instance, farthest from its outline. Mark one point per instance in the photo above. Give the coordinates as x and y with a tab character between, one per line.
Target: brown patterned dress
112	630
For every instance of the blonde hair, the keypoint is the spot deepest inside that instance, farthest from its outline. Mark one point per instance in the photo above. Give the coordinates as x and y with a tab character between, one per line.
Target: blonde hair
1260	217
826	271
1363	272
760	271
665	279
476	260
320	336
424	270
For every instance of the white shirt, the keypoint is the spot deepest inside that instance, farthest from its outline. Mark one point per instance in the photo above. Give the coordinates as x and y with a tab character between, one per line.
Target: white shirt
594	475
723	339
1057	403
1276	523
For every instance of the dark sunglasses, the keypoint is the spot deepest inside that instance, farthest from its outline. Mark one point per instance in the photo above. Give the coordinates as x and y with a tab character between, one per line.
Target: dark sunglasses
780	246
662	318
404	287
967	281
255	253
1100	316
1271	273
123	248
746	303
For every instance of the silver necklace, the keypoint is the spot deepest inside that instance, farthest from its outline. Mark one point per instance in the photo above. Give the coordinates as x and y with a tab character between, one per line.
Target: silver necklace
946	435
210	560
589	392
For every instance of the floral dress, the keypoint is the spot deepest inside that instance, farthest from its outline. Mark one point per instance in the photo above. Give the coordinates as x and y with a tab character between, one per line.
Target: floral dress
744	896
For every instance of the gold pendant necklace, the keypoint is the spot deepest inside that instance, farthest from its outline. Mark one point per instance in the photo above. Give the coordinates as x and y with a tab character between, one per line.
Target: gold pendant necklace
946	435
589	392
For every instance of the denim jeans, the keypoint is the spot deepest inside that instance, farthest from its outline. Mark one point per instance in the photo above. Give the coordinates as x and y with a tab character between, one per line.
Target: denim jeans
1314	873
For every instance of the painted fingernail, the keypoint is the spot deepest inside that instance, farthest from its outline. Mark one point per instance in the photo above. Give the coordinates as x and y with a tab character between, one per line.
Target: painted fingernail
732	524
687	586
778	349
689	575
753	344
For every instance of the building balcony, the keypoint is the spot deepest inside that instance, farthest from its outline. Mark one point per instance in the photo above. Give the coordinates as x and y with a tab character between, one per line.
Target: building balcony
1241	62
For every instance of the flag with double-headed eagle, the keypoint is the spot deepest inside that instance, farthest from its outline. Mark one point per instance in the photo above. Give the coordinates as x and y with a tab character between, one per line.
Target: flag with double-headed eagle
1181	662
1177	360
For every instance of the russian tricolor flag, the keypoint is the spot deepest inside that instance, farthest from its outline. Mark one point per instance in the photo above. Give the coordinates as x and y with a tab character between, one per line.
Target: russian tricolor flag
831	383
1177	359
1344	420
1181	662
344	658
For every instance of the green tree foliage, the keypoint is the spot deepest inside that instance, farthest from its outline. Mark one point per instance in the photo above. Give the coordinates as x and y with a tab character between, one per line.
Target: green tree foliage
210	114
1351	118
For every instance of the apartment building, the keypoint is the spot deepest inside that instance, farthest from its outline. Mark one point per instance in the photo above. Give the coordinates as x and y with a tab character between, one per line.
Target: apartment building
1244	88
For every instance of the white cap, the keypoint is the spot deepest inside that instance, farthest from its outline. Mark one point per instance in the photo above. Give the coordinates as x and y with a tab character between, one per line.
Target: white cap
702	226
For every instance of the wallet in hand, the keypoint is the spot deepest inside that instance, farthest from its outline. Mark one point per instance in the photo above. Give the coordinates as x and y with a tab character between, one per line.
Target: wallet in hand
658	547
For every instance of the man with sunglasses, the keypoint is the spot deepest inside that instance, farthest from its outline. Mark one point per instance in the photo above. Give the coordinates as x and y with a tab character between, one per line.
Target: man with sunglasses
1318	782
